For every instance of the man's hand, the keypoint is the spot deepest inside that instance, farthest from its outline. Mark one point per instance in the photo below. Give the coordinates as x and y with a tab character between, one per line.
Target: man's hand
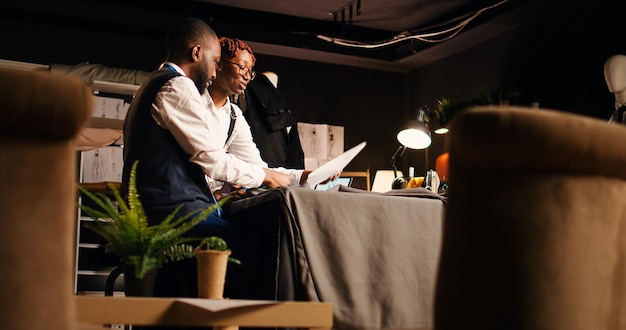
230	189
275	179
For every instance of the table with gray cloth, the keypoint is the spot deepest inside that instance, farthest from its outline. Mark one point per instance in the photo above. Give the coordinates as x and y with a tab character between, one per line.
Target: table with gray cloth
374	256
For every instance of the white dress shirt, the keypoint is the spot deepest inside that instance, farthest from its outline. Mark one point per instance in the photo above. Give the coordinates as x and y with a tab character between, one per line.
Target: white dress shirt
201	130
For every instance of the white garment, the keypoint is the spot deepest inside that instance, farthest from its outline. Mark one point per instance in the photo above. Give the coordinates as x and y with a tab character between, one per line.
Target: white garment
201	130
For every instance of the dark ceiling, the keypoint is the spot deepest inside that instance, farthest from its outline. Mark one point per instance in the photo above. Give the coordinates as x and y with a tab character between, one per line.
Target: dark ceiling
391	35
395	35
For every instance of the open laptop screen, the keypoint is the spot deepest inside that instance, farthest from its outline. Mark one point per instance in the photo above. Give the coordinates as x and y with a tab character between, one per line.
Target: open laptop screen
346	181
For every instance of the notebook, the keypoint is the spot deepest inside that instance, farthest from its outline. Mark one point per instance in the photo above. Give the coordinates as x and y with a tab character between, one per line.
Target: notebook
333	166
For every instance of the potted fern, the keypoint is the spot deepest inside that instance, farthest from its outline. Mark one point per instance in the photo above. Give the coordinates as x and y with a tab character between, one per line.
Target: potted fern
142	248
212	255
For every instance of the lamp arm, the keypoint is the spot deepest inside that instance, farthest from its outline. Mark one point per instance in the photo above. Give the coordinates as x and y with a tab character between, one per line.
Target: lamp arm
399	152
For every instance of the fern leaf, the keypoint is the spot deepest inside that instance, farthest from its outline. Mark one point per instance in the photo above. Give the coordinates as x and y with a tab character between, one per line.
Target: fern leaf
126	229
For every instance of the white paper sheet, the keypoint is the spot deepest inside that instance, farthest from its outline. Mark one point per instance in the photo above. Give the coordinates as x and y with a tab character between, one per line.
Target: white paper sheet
333	166
214	305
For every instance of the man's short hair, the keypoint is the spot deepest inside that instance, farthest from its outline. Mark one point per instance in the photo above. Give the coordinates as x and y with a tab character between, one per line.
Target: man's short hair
185	34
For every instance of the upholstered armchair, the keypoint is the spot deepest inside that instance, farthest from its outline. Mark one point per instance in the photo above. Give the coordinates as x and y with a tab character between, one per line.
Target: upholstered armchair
535	229
41	115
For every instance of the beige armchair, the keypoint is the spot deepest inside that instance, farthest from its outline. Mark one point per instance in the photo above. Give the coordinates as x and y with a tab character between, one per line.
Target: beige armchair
535	230
41	115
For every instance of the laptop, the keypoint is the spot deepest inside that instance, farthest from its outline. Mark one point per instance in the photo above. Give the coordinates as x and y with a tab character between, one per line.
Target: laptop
346	181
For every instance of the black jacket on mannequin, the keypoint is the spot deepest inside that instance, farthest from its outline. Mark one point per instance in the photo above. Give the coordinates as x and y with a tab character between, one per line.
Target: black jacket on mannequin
618	116
269	116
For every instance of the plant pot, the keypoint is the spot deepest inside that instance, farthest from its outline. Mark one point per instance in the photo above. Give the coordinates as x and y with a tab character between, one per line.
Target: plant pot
211	273
138	287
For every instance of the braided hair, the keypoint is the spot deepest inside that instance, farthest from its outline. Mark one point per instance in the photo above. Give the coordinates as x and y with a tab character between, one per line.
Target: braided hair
230	47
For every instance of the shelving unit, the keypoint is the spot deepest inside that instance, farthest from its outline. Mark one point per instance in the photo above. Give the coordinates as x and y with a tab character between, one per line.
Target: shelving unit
97	168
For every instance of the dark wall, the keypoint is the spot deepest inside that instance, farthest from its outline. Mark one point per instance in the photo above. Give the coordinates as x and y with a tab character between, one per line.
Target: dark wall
370	104
49	36
557	58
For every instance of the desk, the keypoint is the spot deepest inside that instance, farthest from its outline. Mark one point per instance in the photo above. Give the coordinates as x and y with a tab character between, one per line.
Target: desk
373	256
203	312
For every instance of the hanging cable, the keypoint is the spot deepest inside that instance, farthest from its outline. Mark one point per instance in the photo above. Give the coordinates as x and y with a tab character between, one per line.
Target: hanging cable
445	34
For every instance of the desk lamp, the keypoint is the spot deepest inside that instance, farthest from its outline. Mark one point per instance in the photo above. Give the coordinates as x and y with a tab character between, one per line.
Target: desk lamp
415	135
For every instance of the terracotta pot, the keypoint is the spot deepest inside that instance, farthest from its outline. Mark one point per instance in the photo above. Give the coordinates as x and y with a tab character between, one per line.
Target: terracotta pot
211	273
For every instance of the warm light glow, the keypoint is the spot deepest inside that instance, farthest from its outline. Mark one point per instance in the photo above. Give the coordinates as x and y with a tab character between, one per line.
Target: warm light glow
414	138
441	130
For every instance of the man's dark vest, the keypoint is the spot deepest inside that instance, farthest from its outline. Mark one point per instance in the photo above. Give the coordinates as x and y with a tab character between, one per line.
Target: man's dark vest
268	115
165	176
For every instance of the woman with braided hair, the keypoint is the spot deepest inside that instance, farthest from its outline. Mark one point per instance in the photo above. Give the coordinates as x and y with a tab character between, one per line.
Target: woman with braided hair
228	126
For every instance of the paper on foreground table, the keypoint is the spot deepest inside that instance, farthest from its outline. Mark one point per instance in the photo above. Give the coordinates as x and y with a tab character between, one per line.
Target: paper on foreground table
220	305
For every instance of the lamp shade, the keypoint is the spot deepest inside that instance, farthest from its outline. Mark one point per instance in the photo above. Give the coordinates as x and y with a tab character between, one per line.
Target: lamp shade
415	133
438	125
414	138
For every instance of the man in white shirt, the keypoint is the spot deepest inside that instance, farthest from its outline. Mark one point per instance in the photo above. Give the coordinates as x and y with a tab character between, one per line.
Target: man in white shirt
178	142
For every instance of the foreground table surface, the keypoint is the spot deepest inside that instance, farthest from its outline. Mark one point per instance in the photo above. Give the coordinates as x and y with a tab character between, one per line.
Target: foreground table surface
203	312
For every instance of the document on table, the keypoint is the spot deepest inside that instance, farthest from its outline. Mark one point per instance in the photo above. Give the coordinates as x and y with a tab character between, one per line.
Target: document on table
215	305
333	166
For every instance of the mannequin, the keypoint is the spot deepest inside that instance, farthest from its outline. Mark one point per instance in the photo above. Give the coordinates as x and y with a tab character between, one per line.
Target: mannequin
272	77
615	76
273	125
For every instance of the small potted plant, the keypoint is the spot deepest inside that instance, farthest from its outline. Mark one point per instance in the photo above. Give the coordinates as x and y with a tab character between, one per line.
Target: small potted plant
213	255
142	248
446	109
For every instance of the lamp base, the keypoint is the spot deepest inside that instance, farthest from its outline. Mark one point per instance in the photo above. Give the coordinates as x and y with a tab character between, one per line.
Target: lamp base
400	182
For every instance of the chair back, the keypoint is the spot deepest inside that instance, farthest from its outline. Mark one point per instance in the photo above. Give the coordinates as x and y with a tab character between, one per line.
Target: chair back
535	227
41	115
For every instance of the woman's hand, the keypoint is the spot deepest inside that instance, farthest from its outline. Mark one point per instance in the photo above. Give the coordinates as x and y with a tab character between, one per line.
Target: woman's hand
305	177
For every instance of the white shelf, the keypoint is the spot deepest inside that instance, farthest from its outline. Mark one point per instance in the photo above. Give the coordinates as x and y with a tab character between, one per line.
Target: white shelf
95	273
99	122
91	245
99	129
100	86
22	65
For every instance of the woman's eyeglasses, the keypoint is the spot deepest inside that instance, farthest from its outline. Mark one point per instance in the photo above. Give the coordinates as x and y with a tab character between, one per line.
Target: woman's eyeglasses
243	70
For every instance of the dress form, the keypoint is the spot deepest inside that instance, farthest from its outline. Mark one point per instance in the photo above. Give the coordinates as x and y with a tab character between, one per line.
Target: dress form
273	77
615	76
273	125
241	101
